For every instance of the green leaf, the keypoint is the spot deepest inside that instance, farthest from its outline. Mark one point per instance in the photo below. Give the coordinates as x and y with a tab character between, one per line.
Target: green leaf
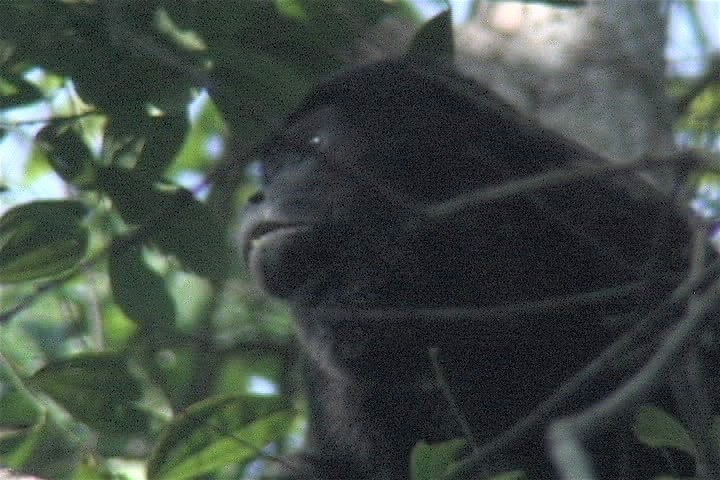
673	477
195	238
21	423
194	154
657	429
133	195
164	136
431	462
97	389
69	156
108	74
434	41
41	239
174	220
89	469
17	450
15	91
139	291
217	432
62	211
292	8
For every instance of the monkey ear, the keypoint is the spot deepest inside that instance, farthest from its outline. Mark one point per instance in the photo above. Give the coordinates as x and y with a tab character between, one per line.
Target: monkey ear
434	42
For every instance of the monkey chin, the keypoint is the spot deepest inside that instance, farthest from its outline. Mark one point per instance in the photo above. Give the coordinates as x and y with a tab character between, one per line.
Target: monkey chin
277	256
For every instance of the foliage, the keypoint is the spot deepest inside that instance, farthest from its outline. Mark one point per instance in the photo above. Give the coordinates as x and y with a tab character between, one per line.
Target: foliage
217	432
41	239
130	334
658	429
432	461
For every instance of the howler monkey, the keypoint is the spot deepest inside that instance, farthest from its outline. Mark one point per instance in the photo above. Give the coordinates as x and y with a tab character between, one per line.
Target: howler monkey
345	227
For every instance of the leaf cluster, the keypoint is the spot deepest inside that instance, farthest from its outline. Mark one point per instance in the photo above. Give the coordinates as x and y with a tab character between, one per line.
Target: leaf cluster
128	329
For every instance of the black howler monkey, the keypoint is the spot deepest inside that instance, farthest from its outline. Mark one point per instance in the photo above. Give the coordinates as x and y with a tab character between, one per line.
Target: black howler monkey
344	229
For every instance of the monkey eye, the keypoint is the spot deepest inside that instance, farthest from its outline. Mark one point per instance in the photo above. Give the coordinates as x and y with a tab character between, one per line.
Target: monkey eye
311	143
318	141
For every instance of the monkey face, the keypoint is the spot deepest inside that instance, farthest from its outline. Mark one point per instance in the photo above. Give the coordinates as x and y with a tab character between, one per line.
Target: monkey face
341	216
300	229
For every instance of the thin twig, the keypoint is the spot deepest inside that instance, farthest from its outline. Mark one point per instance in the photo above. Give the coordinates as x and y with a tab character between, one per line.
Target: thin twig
124	37
490	315
694	406
450	398
543	412
548	179
695	409
567	434
54	119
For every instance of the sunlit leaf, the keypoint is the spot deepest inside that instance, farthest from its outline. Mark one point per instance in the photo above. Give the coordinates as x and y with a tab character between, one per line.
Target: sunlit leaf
62	211
208	126
656	428
91	470
219	432
173	219
17	449
431	462
41	239
138	290
15	91
291	8
96	389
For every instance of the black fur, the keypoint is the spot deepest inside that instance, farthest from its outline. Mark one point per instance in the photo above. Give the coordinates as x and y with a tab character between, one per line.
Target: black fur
341	230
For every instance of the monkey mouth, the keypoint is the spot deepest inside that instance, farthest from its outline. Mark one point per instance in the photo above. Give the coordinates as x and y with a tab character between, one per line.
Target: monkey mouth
277	256
267	234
